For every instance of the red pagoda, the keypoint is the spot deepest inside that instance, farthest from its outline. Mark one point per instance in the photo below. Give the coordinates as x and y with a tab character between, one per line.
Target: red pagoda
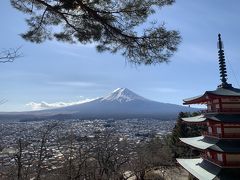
220	144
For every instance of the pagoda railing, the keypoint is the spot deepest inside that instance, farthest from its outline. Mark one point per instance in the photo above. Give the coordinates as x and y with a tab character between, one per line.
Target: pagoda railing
231	110
225	110
221	163
231	135
205	133
215	161
225	135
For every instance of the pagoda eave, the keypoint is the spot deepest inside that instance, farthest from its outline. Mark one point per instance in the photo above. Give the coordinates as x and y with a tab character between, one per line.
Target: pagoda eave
213	117
218	93
199	142
195	101
200	168
218	145
205	170
195	119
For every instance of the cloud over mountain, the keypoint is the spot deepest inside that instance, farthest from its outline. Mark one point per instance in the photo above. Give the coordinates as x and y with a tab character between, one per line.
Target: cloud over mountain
45	105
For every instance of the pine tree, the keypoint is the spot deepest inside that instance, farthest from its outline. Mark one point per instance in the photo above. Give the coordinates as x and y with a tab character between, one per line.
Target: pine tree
113	25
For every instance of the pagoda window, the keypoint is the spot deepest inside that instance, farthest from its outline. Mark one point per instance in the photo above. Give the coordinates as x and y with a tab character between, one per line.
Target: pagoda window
219	130
213	107
209	108
209	155
219	157
215	101
210	129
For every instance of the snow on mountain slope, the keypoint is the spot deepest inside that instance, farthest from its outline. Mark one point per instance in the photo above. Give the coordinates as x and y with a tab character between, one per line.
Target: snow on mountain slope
122	95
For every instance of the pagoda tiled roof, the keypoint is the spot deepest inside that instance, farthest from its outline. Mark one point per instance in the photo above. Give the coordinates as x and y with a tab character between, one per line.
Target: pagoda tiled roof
220	145
205	170
200	142
226	118
201	169
221	91
227	145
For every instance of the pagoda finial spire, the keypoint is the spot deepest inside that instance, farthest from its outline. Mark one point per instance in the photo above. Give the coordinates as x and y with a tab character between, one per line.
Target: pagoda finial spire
222	64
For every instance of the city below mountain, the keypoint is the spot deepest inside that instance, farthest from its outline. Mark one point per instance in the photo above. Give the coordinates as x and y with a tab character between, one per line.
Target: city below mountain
120	104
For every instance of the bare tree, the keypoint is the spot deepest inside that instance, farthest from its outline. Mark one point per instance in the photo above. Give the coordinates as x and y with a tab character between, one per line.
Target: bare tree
19	170
18	159
103	157
77	156
2	101
9	55
68	148
111	154
29	154
6	56
41	151
149	155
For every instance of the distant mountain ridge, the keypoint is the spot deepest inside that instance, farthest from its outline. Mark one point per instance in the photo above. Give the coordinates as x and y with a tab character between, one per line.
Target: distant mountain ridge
121	103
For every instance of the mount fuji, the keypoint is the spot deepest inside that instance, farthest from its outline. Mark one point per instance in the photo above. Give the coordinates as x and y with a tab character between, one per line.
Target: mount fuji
121	103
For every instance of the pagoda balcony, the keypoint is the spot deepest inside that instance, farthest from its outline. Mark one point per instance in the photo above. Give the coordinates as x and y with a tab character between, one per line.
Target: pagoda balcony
222	136
215	161
225	110
231	164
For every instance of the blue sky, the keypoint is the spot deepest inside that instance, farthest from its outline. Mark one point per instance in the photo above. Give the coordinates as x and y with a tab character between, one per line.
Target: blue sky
54	72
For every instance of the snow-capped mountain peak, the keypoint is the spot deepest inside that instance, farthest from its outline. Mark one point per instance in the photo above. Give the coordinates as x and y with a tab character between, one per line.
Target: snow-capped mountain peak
121	103
122	95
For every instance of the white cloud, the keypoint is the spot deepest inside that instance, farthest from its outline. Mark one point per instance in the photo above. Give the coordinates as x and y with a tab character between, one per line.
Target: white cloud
44	105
